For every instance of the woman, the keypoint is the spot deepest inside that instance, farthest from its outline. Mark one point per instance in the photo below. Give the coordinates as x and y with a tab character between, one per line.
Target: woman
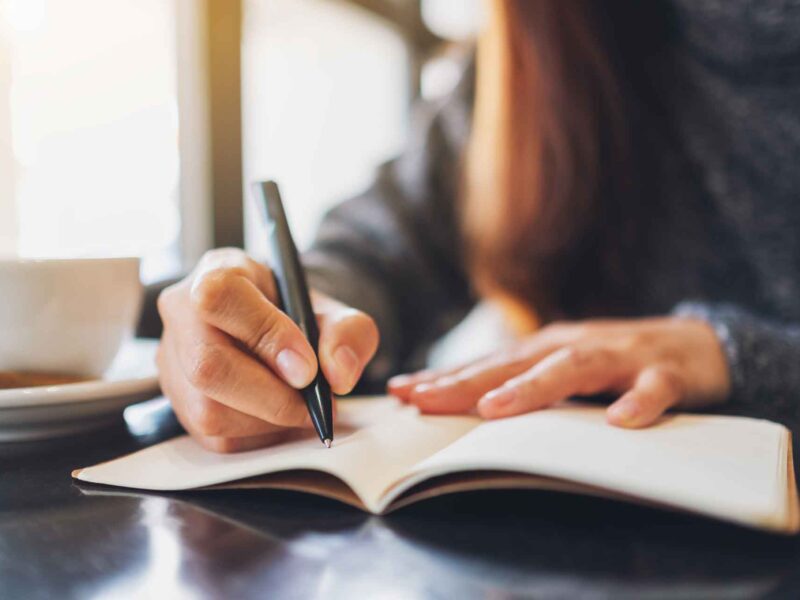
626	194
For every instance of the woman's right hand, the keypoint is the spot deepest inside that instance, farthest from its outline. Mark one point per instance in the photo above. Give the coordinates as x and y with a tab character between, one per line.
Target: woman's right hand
231	362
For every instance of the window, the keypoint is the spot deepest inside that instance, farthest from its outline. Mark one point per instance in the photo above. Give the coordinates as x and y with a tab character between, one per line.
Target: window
87	99
93	94
325	100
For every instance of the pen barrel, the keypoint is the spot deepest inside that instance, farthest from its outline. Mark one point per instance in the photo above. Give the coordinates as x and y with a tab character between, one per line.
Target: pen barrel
288	270
295	300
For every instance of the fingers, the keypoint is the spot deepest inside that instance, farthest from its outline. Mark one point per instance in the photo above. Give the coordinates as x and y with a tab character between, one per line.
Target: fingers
228	375
348	340
223	357
569	371
236	260
459	388
656	389
658	362
223	372
200	414
401	386
460	391
230	300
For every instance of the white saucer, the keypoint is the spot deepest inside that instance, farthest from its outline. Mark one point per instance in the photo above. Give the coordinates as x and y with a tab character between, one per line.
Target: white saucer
49	411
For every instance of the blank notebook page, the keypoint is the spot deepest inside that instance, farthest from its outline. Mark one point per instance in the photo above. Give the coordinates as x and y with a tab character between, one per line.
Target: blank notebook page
711	464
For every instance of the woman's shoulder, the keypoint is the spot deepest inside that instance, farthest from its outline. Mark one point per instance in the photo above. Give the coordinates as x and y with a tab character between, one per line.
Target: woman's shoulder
741	36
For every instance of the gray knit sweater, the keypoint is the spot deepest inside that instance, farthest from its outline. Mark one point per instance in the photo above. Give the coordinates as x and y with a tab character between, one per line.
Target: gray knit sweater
728	248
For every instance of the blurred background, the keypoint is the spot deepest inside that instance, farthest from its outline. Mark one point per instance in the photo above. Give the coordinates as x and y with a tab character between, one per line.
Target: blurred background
132	127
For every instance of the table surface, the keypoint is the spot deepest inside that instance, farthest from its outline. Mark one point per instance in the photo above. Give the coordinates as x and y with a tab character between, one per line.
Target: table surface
68	540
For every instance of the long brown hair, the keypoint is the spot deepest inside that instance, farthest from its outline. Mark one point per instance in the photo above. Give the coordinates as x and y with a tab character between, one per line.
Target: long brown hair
552	180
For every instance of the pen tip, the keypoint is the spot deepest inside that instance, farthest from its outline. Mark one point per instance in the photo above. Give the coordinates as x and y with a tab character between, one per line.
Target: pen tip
327	442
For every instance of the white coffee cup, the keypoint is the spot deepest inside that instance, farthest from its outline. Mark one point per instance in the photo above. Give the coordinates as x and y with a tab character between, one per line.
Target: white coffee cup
66	316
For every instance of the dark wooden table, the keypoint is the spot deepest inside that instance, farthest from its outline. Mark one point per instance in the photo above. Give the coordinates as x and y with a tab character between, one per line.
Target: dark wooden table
63	540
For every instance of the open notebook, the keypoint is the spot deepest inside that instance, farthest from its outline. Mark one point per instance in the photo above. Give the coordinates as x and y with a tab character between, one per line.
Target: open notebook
386	455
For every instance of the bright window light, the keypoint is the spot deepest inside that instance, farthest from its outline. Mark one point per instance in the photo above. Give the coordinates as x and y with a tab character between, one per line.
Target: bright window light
24	15
325	101
93	121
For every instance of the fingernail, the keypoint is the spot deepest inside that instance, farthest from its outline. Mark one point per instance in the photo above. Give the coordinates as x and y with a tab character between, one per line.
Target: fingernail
623	413
346	364
294	368
435	385
446	381
400	380
498	399
423	388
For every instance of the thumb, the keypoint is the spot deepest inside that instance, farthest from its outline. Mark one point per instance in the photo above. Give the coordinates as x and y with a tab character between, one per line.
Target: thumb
348	339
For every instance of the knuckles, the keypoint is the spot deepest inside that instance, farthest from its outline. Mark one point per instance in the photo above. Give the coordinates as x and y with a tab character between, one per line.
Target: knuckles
580	357
266	340
577	356
209	368
211	292
636	341
671	382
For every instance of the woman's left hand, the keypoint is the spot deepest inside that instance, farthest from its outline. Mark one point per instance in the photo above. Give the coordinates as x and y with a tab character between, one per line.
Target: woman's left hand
653	364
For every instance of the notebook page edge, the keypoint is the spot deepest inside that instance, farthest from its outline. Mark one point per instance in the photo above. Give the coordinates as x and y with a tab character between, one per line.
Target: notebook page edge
294	481
321	489
131	471
720	508
526	481
793	520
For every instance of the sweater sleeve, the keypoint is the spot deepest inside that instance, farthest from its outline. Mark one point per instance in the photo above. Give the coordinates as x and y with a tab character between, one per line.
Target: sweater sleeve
150	325
763	357
395	250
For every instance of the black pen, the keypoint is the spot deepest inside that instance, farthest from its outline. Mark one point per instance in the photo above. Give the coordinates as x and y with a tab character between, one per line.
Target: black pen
295	300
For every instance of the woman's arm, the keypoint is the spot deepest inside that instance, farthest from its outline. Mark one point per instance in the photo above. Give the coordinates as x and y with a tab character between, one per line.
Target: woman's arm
763	356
